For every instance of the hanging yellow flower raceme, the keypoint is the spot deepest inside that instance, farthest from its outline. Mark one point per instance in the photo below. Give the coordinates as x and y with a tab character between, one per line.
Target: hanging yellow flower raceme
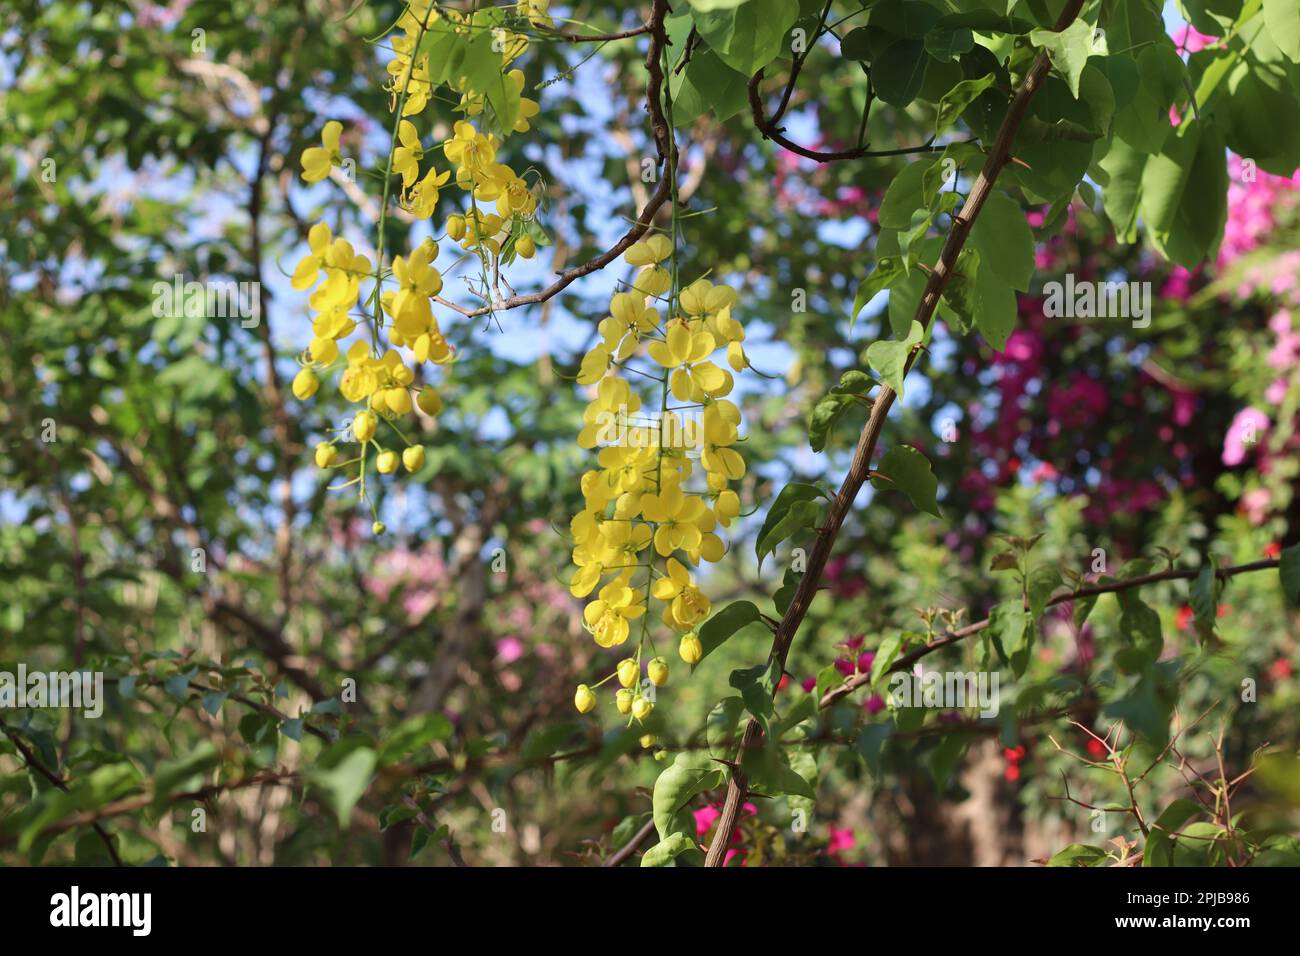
661	491
496	221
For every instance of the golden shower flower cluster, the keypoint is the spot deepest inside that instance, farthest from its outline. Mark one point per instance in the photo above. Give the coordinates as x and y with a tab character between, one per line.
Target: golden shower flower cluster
655	504
496	223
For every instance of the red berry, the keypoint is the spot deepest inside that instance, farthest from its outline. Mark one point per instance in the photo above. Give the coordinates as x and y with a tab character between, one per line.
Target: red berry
1012	772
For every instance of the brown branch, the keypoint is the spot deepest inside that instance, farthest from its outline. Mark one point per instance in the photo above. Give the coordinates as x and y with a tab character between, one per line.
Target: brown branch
659	128
771	131
998	156
952	637
630	846
35	764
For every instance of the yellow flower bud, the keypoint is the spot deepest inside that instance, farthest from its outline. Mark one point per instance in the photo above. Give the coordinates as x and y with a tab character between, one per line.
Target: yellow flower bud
525	246
386	462
378	528
623	701
628	672
648	741
305	384
364	425
397	399
456	227
325	455
690	649
429	401
641	708
413	458
584	699
658	671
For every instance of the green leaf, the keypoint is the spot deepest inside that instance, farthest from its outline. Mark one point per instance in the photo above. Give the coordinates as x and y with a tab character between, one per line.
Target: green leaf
1139	624
995	307
1159	849
777	526
414	734
1004	240
870	745
747	36
886	272
953	103
546	741
668	849
945	757
1042	581
770	773
897	74
690	773
707	85
889	358
728	621
1068	50
1289	574
1121	190
1144	122
904	195
886	654
1203	596
720	727
1079	854
908	470
1012	633
948	43
850	393
1282	17
343	784
172	776
754	691
1184	194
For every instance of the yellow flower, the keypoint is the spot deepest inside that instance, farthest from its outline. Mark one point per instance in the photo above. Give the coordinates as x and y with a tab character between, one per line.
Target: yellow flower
417	282
681	346
677	515
470	151
305	384
690	649
628	672
527	108
413	458
430	402
641	708
386	462
600	418
720	420
623	701
688	603
325	455
307	271
584	699
648	251
658	671
594	364
607	617
406	158
363	426
317	160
